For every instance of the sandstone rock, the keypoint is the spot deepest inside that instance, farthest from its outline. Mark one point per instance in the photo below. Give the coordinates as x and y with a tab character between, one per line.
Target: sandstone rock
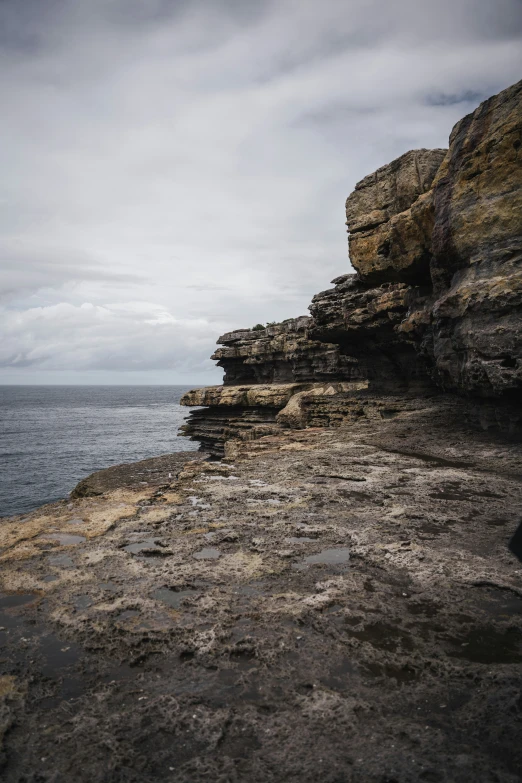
235	412
364	322
266	396
264	369
281	353
457	246
478	189
249	412
154	472
476	333
390	220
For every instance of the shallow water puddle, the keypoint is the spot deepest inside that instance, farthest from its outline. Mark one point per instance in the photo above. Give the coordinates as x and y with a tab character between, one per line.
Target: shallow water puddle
148	547
83	602
333	557
139	546
9	601
173	598
22	643
207	553
65	539
213	533
61	561
110	587
299	540
198	502
489	645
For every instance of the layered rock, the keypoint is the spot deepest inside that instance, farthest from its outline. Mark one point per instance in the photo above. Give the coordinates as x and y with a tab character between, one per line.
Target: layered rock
264	370
364	321
448	264
475	335
281	353
227	413
390	220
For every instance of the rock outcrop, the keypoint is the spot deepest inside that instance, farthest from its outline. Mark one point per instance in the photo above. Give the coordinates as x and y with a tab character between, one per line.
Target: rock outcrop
390	220
435	305
264	370
250	412
281	353
475	335
448	265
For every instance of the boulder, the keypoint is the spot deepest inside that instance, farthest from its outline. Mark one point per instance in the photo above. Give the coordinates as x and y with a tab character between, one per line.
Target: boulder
390	219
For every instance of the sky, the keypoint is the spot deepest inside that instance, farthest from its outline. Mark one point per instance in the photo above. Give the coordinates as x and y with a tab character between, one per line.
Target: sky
175	169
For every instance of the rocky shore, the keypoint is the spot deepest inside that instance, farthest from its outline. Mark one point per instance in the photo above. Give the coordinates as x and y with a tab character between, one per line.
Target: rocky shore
330	596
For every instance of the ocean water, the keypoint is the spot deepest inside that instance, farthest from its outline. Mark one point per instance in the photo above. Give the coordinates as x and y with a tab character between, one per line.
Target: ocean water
53	436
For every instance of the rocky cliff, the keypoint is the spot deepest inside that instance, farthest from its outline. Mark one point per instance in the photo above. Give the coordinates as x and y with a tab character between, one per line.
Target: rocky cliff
264	370
434	306
282	353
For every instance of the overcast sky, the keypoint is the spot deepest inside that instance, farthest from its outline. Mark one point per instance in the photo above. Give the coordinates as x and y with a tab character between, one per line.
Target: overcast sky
173	169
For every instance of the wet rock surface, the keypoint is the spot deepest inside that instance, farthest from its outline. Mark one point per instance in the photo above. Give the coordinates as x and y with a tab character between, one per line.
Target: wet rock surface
154	472
358	618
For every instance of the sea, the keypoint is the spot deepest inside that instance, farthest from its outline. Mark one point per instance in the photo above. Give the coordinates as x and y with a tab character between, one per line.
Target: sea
53	436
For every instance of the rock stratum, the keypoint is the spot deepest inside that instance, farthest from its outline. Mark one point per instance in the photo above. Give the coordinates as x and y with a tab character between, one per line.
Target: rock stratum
331	597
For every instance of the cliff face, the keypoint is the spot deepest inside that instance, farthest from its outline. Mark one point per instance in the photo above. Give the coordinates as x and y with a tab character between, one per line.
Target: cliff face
475	337
281	353
365	321
438	294
264	370
435	304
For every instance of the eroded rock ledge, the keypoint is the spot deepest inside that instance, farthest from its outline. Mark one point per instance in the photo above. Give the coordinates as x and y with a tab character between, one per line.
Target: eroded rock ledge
282	353
249	412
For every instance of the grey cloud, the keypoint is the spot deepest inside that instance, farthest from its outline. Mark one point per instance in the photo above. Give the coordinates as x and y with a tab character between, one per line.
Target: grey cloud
445	99
26	269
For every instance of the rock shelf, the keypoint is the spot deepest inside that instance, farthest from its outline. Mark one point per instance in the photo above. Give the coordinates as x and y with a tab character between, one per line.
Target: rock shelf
337	602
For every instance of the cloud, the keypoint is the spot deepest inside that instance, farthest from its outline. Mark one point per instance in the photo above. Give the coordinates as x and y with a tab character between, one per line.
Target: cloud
181	167
137	336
